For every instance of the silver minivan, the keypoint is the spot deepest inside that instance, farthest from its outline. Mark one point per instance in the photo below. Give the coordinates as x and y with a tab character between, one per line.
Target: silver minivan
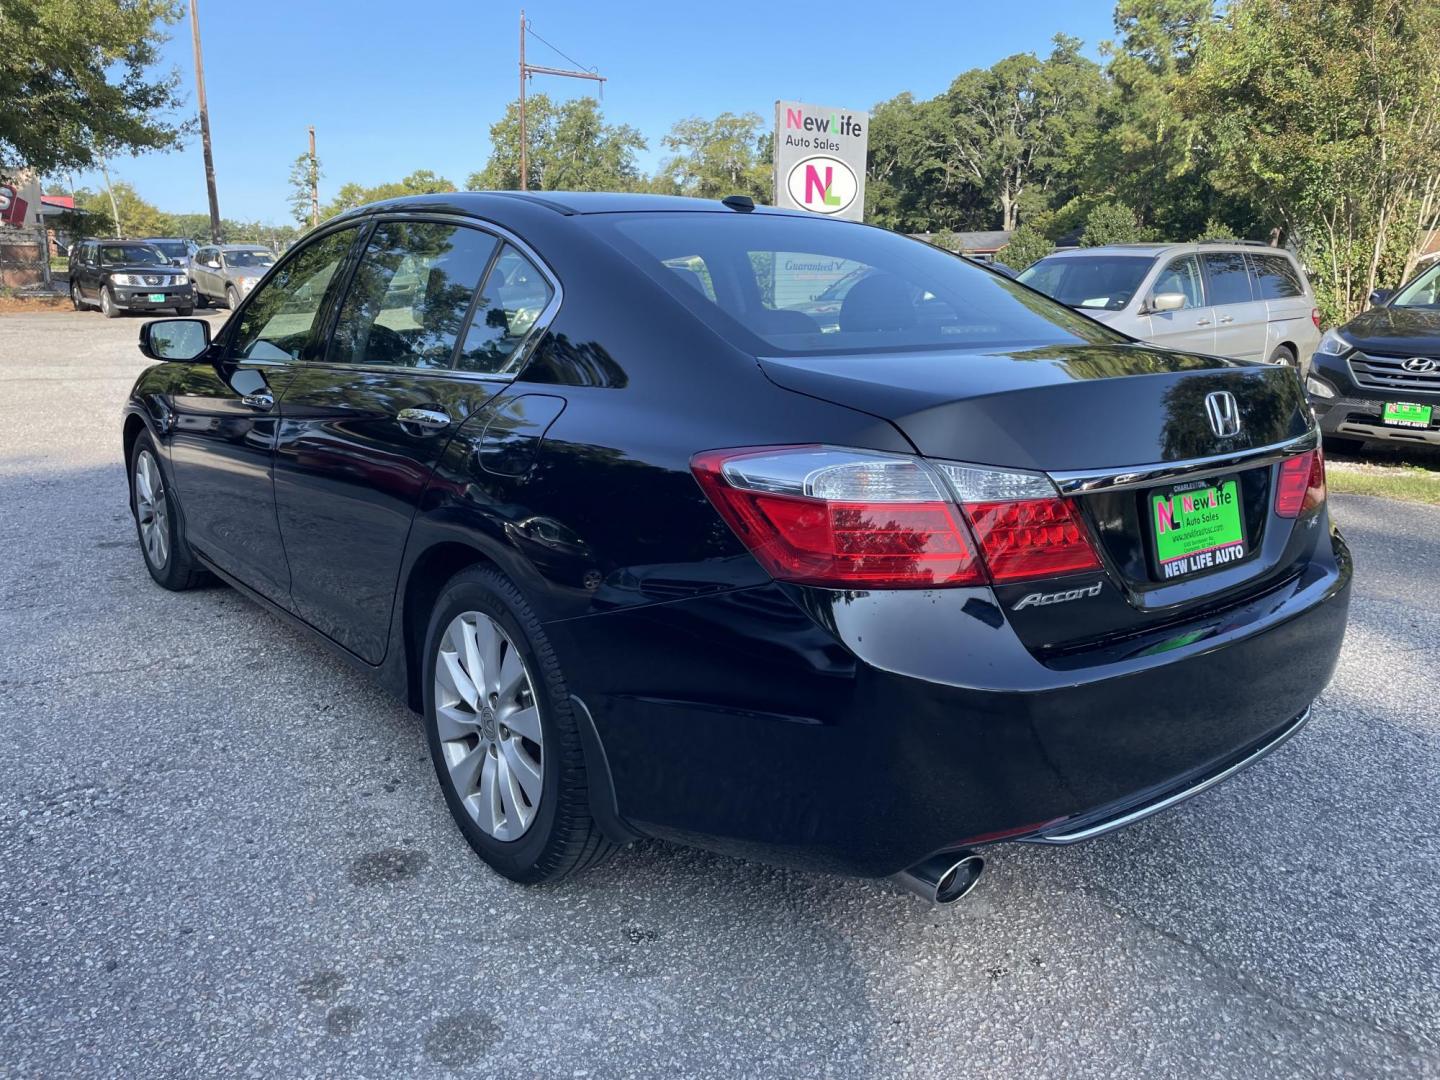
1246	300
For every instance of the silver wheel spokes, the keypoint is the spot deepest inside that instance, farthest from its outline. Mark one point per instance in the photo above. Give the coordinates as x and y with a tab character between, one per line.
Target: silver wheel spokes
151	509
489	725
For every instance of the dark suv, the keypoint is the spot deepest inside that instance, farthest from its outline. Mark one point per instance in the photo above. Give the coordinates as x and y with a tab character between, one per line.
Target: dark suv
127	275
1378	376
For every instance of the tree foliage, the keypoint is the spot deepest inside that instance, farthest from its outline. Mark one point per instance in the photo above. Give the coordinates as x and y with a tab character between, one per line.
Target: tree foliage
305	176
1113	222
710	159
351	195
77	84
569	147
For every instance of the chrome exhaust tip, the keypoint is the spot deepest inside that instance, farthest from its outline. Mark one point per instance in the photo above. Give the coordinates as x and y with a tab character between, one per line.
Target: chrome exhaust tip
944	878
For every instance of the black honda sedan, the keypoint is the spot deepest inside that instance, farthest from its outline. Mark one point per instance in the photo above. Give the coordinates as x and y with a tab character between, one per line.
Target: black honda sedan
1377	378
656	553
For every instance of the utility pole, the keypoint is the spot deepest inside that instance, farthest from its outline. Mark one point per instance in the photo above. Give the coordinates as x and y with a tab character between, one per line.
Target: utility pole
314	182
526	70
205	126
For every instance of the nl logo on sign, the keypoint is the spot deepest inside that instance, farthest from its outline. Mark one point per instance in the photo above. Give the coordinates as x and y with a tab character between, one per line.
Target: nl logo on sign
820	159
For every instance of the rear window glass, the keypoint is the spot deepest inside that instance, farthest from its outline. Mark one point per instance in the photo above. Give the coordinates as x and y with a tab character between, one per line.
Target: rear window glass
1229	280
1276	277
1104	282
812	286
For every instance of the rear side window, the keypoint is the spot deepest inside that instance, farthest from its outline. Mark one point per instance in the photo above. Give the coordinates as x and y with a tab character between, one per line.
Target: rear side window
410	294
277	321
1229	278
1275	277
1182	276
787	285
514	297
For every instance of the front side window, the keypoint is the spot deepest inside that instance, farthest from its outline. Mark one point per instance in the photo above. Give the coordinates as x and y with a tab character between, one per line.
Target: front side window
1229	278
411	292
514	297
1182	276
277	322
1275	278
1102	282
1424	291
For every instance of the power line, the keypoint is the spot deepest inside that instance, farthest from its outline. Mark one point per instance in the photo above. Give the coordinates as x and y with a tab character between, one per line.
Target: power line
526	70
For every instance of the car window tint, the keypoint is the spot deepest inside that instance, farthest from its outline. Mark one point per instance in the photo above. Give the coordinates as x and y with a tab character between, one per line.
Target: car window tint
410	294
1424	291
1275	277
515	295
1182	276
276	323
691	269
1229	278
1102	282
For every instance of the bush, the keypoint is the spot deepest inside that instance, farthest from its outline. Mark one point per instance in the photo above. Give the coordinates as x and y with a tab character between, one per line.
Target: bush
1113	223
1027	244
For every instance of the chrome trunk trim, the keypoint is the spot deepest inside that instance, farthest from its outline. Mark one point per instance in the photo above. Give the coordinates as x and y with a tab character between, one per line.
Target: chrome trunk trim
1087	481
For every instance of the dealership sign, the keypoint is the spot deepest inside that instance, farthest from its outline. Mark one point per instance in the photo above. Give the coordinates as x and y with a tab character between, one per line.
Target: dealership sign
820	159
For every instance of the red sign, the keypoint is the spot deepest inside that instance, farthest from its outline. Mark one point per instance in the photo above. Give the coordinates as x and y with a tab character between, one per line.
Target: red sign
12	207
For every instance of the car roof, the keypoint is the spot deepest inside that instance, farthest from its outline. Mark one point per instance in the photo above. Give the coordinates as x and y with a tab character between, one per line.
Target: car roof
1152	249
564	202
165	240
242	247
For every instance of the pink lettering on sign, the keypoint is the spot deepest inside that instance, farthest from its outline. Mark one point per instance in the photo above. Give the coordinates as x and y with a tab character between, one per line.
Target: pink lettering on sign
813	183
1164	516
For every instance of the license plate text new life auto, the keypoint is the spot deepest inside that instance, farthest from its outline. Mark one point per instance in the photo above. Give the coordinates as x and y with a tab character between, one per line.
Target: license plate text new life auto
1196	527
157	297
1408	414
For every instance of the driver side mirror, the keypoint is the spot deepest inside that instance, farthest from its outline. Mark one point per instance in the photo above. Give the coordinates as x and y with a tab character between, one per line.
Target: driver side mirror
1379	296
1167	301
174	339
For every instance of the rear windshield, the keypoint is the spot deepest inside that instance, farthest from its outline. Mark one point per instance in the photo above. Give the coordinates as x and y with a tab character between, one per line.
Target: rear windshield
813	286
1104	282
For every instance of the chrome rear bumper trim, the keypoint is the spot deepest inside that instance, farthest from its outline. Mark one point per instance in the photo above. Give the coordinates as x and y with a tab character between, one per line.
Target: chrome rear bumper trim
1100	828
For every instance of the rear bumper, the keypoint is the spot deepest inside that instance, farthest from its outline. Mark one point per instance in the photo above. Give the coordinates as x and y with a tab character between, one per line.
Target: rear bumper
862	733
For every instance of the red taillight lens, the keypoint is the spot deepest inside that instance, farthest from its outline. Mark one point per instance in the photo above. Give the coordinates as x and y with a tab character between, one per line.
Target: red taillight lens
844	518
1301	487
1315	317
1033	538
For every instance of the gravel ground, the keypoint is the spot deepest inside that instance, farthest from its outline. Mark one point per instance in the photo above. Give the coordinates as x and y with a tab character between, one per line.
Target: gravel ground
222	852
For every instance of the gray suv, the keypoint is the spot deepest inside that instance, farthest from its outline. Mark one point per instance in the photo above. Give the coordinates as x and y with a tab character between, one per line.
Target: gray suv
1246	300
227	272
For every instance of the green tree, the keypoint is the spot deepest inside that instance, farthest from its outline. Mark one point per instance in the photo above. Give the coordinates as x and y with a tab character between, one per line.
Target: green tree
76	82
305	174
1016	130
710	159
351	195
137	216
569	147
1027	244
1327	113
1113	223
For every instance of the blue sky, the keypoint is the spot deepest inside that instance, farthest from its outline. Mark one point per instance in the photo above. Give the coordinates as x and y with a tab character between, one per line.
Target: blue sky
396	87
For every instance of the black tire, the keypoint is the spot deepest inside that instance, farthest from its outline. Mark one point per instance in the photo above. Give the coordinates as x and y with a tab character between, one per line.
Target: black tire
232	297
1285	355
201	300
185	312
179	569
75	298
563	838
108	307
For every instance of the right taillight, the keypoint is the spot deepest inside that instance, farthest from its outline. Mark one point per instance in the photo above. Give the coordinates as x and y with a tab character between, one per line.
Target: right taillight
840	518
1301	487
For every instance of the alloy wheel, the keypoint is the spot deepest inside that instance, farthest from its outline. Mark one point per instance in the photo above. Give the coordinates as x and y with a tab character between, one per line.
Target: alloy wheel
151	510
489	725
75	295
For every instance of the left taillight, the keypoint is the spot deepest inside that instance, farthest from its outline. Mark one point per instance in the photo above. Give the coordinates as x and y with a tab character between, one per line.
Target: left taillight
842	518
1301	484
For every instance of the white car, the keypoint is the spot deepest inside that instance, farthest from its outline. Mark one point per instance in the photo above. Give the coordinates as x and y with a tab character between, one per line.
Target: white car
1245	300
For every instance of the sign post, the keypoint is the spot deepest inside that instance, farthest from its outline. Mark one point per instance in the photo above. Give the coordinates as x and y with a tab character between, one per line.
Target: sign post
820	159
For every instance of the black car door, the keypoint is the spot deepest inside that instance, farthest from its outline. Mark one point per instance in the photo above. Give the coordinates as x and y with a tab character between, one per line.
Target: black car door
225	417
362	429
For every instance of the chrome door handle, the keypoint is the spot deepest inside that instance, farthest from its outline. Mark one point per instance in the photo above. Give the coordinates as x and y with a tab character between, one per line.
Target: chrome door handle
429	419
1227	319
1202	322
263	400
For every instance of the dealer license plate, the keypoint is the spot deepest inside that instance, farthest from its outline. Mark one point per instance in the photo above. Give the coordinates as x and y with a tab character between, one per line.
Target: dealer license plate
1196	527
1407	414
157	297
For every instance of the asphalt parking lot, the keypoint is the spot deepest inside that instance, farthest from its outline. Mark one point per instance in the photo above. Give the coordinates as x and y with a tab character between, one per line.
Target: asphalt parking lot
223	852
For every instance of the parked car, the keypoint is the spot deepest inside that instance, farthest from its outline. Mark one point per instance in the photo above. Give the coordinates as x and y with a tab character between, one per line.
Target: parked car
1247	301
1378	376
652	556
178	249
229	271
127	275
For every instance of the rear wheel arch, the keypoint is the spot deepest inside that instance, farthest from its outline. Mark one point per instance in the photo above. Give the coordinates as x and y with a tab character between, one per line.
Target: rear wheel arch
428	576
134	425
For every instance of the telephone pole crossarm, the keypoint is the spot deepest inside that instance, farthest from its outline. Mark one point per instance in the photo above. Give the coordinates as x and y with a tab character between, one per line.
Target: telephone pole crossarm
526	70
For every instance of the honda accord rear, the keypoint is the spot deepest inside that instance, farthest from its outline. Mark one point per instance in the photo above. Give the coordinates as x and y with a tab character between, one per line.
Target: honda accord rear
660	548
